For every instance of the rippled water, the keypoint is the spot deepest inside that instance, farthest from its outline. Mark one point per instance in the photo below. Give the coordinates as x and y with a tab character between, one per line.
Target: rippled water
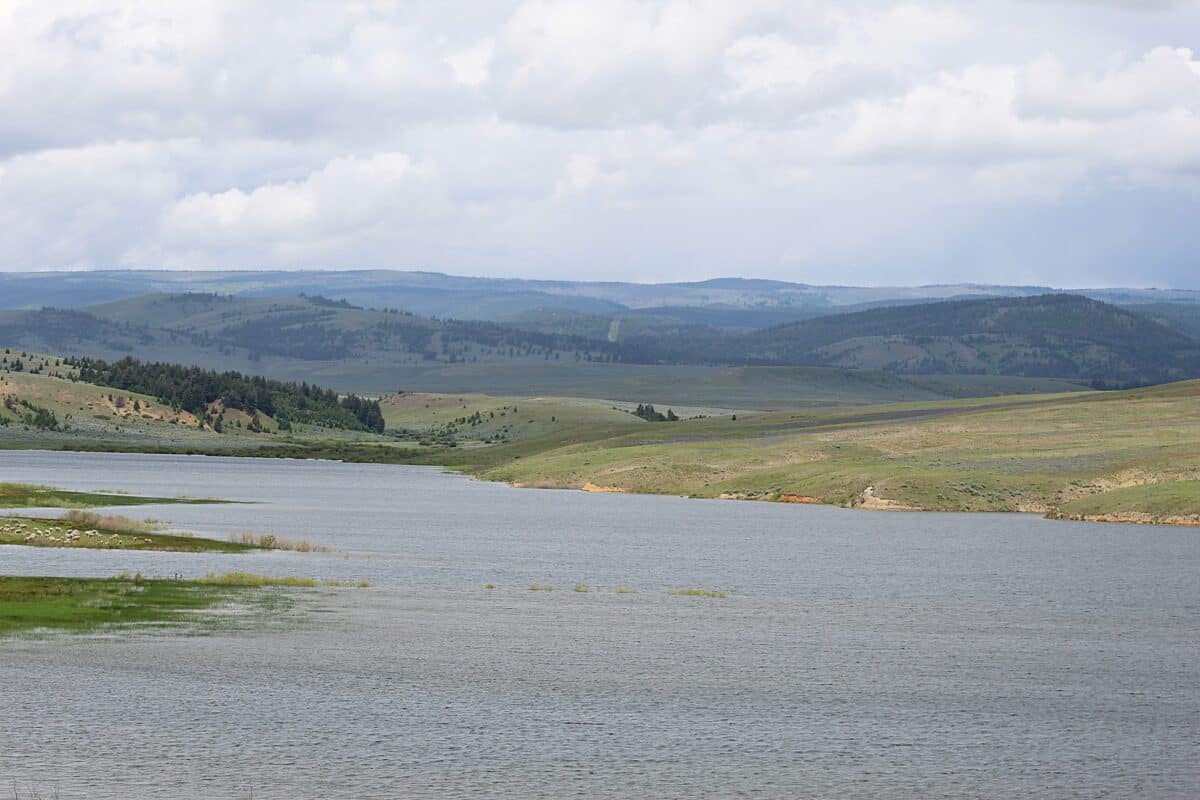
859	654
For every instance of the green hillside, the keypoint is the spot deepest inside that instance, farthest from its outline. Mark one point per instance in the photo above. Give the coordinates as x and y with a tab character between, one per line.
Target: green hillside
1129	455
1116	456
312	338
1060	336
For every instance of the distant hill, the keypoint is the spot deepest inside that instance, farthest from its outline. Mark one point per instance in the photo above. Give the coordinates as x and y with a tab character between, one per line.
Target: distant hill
1061	336
433	294
1183	317
191	328
312	337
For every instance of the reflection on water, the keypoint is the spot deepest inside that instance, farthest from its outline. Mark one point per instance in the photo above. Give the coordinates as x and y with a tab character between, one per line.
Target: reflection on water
859	655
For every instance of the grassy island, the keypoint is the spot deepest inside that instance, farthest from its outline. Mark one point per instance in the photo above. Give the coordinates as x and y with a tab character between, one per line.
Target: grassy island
24	495
95	532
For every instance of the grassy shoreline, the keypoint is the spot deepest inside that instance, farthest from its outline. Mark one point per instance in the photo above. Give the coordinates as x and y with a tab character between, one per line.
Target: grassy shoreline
1085	455
101	533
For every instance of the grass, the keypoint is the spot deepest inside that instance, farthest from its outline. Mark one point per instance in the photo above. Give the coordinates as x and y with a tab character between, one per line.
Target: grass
1174	502
269	541
80	605
1029	453
37	532
581	588
111	522
250	579
1070	454
88	604
716	594
540	587
24	495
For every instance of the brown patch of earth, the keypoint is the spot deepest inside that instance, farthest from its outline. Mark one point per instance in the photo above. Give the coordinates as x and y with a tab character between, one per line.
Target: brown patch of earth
873	502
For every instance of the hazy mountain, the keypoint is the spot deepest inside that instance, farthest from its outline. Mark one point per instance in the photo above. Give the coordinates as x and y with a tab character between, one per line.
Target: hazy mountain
437	295
1055	336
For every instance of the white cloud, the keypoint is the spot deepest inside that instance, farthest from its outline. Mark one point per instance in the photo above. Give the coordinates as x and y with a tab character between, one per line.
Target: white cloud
473	64
1163	79
346	198
664	138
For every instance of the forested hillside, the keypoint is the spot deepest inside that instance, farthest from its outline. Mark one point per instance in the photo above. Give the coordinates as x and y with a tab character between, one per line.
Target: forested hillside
311	337
208	394
1059	336
1045	336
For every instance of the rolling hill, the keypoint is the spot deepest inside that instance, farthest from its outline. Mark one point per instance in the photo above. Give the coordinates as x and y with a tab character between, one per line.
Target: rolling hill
1062	336
310	337
735	303
1127	455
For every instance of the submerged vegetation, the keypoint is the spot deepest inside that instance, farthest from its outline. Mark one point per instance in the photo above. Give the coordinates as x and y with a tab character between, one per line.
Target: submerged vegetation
250	579
88	604
32	604
715	594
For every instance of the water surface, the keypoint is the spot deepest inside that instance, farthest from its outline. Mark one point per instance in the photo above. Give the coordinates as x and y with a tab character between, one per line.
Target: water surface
859	654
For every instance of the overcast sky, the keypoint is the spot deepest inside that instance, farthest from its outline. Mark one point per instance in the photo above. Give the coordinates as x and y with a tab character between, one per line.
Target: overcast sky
855	142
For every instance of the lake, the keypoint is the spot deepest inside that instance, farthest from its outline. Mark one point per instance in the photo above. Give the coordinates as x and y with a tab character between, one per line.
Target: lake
859	654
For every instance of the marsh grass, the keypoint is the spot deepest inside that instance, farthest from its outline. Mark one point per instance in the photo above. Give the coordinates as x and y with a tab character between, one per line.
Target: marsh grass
580	587
252	580
111	522
269	541
30	604
626	590
489	586
95	532
26	495
717	594
540	587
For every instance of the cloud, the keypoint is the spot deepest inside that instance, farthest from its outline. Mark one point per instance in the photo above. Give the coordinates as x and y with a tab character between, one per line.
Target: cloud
675	139
1137	120
1164	79
276	222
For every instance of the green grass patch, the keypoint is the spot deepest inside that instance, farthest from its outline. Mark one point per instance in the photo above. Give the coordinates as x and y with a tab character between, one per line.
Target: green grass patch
1158	500
83	605
252	580
107	533
716	594
24	495
89	604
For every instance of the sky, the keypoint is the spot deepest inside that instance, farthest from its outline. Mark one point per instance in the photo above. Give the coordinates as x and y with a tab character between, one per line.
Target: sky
876	143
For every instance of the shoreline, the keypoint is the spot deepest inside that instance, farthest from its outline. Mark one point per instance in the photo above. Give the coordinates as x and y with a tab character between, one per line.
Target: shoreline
867	500
873	503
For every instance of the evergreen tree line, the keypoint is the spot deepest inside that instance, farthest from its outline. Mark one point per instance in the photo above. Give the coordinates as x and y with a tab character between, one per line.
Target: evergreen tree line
194	389
651	414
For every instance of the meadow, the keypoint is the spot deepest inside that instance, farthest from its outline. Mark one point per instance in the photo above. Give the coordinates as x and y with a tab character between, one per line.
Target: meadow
1131	455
